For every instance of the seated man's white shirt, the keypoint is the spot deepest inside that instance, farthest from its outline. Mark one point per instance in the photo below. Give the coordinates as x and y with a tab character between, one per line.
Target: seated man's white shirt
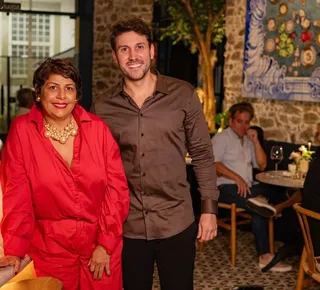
240	158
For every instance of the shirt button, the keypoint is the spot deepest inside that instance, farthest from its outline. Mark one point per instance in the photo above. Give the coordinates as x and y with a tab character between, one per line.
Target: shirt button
142	134
141	115
142	154
143	174
146	212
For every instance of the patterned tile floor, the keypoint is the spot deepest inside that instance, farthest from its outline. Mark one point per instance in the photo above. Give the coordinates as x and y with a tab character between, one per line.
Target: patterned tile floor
213	269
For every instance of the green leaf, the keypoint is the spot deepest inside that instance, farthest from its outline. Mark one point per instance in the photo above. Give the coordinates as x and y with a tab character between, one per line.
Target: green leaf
181	28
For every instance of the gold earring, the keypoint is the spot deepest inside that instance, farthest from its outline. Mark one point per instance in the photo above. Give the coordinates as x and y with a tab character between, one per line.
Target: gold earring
38	99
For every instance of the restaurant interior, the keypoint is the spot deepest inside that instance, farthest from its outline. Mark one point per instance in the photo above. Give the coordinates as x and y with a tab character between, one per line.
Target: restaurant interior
265	52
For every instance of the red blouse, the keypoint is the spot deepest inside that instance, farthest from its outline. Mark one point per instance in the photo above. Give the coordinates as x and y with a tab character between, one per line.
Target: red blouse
48	205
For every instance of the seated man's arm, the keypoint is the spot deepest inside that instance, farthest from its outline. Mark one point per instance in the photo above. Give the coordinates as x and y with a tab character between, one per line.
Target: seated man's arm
259	154
223	170
219	146
243	188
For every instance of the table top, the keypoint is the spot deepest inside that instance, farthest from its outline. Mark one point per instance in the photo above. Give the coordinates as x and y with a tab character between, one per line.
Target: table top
281	178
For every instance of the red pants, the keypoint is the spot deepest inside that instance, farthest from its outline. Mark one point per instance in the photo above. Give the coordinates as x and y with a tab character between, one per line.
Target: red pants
74	273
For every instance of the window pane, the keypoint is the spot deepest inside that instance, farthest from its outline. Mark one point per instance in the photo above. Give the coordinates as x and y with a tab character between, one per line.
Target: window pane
50	36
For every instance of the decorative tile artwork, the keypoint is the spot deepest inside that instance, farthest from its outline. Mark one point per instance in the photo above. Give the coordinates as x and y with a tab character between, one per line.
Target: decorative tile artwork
282	50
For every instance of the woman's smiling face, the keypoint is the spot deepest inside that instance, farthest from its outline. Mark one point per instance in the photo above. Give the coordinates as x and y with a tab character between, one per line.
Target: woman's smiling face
58	97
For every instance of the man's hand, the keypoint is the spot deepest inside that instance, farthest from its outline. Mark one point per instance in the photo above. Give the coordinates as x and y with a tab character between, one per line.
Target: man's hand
99	261
253	135
243	188
207	227
11	260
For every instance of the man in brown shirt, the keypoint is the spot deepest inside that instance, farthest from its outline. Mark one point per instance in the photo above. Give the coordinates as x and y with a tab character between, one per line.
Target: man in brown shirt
156	119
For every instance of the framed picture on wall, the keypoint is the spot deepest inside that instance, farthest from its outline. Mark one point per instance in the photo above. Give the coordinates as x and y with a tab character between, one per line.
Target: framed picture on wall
282	50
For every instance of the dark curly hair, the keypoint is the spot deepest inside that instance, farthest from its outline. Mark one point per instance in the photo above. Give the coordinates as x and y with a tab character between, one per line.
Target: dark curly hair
130	24
241	107
60	67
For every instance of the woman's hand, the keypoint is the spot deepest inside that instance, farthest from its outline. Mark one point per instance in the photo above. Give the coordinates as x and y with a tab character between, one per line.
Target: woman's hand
11	261
99	261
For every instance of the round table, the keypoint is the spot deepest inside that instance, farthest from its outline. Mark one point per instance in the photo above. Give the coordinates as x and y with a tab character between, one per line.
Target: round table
281	178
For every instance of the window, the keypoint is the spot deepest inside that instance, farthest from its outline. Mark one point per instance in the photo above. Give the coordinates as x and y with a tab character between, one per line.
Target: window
40	43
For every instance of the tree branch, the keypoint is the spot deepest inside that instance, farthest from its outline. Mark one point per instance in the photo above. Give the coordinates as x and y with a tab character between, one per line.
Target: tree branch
209	26
211	23
196	27
218	15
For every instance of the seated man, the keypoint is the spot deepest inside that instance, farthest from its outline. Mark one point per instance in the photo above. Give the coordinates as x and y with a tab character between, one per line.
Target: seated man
237	150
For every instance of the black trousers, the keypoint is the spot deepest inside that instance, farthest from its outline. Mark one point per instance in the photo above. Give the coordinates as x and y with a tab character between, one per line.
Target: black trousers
174	257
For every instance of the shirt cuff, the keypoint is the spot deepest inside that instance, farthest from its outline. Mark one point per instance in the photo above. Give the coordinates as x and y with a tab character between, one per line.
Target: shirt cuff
108	242
209	206
15	246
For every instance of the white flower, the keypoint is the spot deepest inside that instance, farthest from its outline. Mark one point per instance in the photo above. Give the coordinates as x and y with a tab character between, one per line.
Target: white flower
303	149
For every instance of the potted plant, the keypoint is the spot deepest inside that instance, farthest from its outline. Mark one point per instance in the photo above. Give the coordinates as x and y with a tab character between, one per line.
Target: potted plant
301	160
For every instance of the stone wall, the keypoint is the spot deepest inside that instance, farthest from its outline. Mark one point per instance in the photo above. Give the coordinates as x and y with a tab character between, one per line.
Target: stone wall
281	120
106	13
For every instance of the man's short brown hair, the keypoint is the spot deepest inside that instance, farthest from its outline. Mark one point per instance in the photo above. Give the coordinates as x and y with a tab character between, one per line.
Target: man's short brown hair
134	24
241	107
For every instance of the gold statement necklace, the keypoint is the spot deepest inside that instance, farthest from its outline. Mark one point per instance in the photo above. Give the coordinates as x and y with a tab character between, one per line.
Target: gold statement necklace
61	136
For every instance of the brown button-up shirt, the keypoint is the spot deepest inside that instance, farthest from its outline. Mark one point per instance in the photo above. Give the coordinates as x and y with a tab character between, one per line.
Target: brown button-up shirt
154	141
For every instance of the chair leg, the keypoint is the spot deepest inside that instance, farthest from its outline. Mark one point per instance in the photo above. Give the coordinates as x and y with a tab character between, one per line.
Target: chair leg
233	233
271	235
301	271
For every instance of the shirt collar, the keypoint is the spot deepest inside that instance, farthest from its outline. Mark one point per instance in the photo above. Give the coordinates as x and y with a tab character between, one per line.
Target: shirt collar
233	135
161	86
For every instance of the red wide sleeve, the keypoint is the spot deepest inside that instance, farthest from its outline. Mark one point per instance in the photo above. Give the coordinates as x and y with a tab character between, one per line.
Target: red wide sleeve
18	222
116	204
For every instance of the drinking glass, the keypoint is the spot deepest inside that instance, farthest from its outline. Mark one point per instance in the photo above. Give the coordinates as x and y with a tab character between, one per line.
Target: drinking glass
276	155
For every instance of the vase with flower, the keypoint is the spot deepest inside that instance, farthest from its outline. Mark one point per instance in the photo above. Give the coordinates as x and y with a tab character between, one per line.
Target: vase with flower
301	160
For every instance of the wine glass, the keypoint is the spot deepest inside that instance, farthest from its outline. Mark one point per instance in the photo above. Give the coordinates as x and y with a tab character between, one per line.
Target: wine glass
276	155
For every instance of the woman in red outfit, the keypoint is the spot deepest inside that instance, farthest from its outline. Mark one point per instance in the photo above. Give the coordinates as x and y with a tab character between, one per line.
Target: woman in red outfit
65	194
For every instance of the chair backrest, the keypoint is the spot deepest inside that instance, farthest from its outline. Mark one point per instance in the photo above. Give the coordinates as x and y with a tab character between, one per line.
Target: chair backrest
42	283
303	215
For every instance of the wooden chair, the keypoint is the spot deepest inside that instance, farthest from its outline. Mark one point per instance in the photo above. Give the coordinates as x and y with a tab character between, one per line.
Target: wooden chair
307	262
26	273
43	283
27	279
231	223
